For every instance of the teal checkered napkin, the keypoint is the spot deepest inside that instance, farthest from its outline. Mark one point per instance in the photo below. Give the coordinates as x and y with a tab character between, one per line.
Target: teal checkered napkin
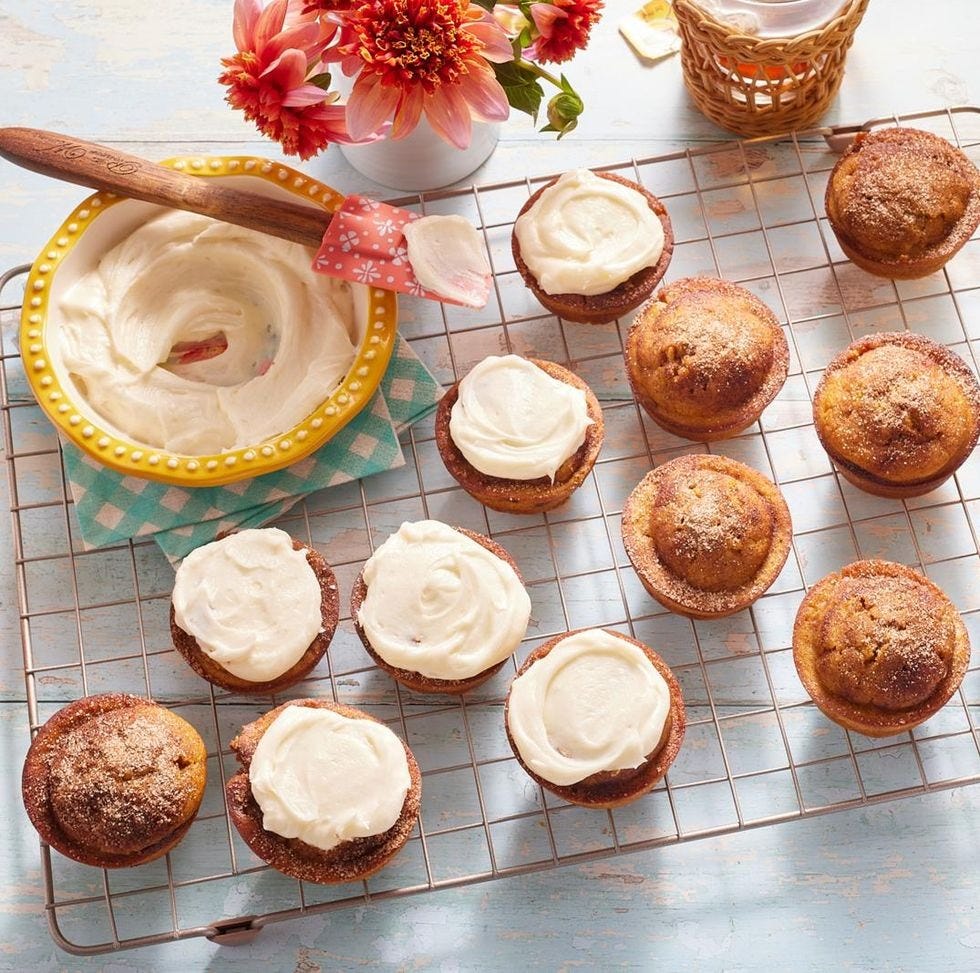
112	507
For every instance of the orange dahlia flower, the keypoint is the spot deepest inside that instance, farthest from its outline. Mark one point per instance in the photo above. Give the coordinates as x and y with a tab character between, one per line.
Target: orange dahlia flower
415	57
564	27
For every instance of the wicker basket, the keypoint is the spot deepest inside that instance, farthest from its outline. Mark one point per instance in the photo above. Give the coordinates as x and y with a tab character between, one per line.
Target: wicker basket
761	87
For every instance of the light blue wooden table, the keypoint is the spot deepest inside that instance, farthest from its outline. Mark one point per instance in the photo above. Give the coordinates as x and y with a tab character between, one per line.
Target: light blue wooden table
892	887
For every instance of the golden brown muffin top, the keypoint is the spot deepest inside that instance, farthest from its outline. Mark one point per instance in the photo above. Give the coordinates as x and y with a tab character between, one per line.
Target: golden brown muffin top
118	782
706	534
882	642
900	192
705	346
899	407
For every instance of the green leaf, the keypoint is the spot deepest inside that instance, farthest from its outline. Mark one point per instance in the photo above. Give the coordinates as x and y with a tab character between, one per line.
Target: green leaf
321	80
521	87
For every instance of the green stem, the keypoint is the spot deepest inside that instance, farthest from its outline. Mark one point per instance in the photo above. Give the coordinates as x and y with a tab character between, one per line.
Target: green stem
538	71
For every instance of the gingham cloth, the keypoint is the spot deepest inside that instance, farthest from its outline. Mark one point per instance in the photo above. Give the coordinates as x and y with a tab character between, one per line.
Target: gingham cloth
111	507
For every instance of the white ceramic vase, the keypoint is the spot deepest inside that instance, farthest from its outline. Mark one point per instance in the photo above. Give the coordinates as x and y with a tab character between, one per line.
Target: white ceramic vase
422	160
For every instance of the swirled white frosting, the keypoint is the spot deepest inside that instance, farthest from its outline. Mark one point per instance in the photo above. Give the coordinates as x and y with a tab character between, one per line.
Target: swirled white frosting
440	604
594	703
179	280
515	421
251	602
586	235
325	778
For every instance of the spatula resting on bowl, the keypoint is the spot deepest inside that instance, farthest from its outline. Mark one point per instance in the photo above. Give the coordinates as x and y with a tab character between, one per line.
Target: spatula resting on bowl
440	258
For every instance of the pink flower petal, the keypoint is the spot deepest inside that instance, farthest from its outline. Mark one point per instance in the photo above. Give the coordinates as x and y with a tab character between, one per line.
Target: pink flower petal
409	112
449	115
544	16
496	45
269	24
484	95
246	15
304	96
370	105
302	37
288	71
333	118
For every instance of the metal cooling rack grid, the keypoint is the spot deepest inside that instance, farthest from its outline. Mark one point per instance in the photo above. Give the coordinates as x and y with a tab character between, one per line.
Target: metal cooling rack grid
756	750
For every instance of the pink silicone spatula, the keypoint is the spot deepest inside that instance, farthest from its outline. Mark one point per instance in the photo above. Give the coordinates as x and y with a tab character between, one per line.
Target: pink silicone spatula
364	241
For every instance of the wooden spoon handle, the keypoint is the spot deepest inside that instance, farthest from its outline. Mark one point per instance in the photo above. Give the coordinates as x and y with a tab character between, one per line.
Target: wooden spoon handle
88	164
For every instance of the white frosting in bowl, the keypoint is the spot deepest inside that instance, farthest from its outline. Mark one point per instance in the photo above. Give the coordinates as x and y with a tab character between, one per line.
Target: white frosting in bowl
250	601
325	778
130	328
594	703
586	235
440	604
515	421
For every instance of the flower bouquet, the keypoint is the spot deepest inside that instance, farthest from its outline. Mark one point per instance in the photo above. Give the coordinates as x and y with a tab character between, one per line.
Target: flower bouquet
452	62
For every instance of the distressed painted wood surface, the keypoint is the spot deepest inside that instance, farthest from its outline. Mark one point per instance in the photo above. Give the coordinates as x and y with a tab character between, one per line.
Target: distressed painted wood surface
892	887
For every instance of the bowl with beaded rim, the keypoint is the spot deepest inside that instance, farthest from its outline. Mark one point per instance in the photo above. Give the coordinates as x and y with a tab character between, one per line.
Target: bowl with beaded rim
103	220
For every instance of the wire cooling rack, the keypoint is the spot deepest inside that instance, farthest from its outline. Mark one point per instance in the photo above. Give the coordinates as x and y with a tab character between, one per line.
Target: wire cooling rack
756	751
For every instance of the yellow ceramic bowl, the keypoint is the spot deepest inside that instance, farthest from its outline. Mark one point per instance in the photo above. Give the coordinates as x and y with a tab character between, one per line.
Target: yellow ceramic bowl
100	223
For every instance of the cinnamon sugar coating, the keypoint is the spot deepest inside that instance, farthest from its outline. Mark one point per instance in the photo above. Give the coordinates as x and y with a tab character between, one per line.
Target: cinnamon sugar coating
897	413
707	535
879	647
705	357
214	672
601	308
523	496
613	788
349	861
408	677
902	201
114	780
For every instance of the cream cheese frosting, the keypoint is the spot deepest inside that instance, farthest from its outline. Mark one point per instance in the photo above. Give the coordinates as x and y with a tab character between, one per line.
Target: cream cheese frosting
515	421
448	258
251	601
326	778
440	604
594	703
129	327
586	235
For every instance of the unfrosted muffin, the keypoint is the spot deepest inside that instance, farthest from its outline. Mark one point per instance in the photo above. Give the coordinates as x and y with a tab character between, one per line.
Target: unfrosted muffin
902	202
879	647
440	608
707	535
255	611
519	434
595	717
114	780
705	357
897	413
326	793
591	246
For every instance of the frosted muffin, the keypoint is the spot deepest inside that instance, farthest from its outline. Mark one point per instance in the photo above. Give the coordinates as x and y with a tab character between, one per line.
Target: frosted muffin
707	535
879	647
705	357
897	413
902	202
592	246
519	434
595	717
114	780
255	611
326	793
440	608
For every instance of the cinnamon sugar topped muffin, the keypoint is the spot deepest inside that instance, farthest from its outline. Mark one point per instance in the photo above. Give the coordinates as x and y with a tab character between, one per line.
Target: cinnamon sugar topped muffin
879	647
707	535
902	202
705	357
897	413
114	780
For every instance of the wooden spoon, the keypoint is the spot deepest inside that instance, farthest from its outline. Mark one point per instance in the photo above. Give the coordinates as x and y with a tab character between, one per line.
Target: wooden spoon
98	167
